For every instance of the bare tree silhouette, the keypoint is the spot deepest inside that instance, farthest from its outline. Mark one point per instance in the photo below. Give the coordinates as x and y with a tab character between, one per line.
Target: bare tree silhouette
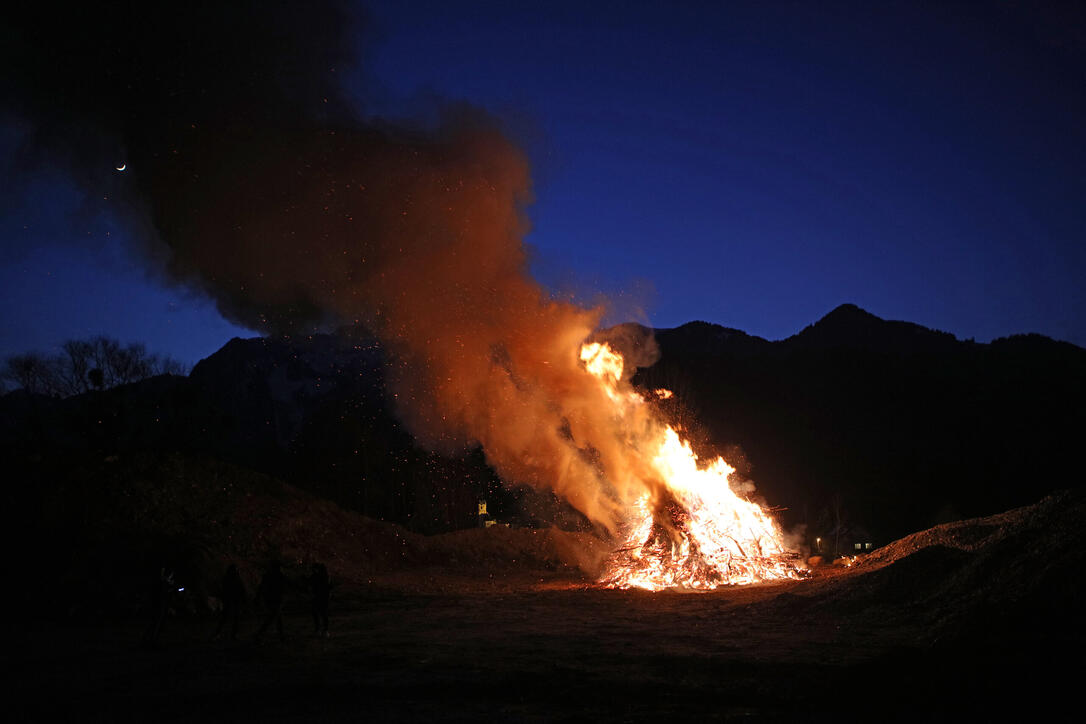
96	363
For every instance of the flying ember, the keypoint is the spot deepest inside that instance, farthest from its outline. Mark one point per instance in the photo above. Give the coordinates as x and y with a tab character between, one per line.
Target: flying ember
689	529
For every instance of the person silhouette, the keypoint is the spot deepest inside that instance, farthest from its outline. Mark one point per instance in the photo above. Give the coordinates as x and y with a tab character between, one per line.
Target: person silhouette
233	599
162	591
272	590
321	588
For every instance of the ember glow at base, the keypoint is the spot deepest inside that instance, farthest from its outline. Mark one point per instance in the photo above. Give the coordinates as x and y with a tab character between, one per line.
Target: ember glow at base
689	529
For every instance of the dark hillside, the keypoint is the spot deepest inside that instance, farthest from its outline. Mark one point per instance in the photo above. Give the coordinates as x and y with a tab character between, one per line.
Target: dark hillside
909	426
862	428
310	411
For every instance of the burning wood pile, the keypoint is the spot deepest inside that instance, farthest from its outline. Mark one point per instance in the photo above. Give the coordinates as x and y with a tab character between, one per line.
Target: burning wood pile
687	527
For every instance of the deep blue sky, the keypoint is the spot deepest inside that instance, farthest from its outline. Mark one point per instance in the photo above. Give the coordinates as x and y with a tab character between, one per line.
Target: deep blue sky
753	164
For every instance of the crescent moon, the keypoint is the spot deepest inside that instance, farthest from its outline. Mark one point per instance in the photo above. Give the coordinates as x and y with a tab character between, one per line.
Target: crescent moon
122	167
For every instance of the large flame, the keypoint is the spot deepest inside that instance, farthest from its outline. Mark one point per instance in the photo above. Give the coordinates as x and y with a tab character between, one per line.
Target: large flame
690	529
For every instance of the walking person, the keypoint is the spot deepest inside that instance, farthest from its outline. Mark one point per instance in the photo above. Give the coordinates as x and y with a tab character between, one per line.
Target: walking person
161	594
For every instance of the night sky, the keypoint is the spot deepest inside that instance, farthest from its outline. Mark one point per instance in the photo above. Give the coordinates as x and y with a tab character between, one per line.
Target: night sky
753	165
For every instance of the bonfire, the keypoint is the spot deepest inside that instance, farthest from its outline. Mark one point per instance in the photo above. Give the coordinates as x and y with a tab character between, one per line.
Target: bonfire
689	528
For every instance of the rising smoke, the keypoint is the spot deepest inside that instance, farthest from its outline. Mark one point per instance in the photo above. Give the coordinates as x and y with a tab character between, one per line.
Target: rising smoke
251	177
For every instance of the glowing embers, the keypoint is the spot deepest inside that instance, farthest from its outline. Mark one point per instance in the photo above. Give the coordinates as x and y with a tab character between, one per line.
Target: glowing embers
688	529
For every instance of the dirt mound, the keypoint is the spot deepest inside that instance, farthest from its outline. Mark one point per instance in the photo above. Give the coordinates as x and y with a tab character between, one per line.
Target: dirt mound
108	525
1012	575
539	548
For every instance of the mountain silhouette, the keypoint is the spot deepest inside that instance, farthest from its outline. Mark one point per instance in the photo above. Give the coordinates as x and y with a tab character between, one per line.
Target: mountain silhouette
907	426
874	428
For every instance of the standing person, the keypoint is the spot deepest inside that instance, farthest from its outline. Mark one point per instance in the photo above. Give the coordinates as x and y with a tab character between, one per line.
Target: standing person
161	593
272	590
321	587
233	599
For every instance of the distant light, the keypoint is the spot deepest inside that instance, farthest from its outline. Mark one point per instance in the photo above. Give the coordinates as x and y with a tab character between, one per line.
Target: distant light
122	167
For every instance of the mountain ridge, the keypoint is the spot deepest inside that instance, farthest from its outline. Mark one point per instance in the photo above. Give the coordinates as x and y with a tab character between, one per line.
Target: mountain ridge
902	425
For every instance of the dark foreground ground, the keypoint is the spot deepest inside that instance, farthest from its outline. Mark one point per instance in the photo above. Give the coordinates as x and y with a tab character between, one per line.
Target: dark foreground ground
972	621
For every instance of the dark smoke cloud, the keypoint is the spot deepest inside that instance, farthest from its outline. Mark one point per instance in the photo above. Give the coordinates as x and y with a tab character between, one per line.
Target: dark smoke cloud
189	95
256	181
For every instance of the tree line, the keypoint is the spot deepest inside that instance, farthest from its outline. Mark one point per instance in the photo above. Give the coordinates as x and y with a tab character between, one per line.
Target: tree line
82	365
